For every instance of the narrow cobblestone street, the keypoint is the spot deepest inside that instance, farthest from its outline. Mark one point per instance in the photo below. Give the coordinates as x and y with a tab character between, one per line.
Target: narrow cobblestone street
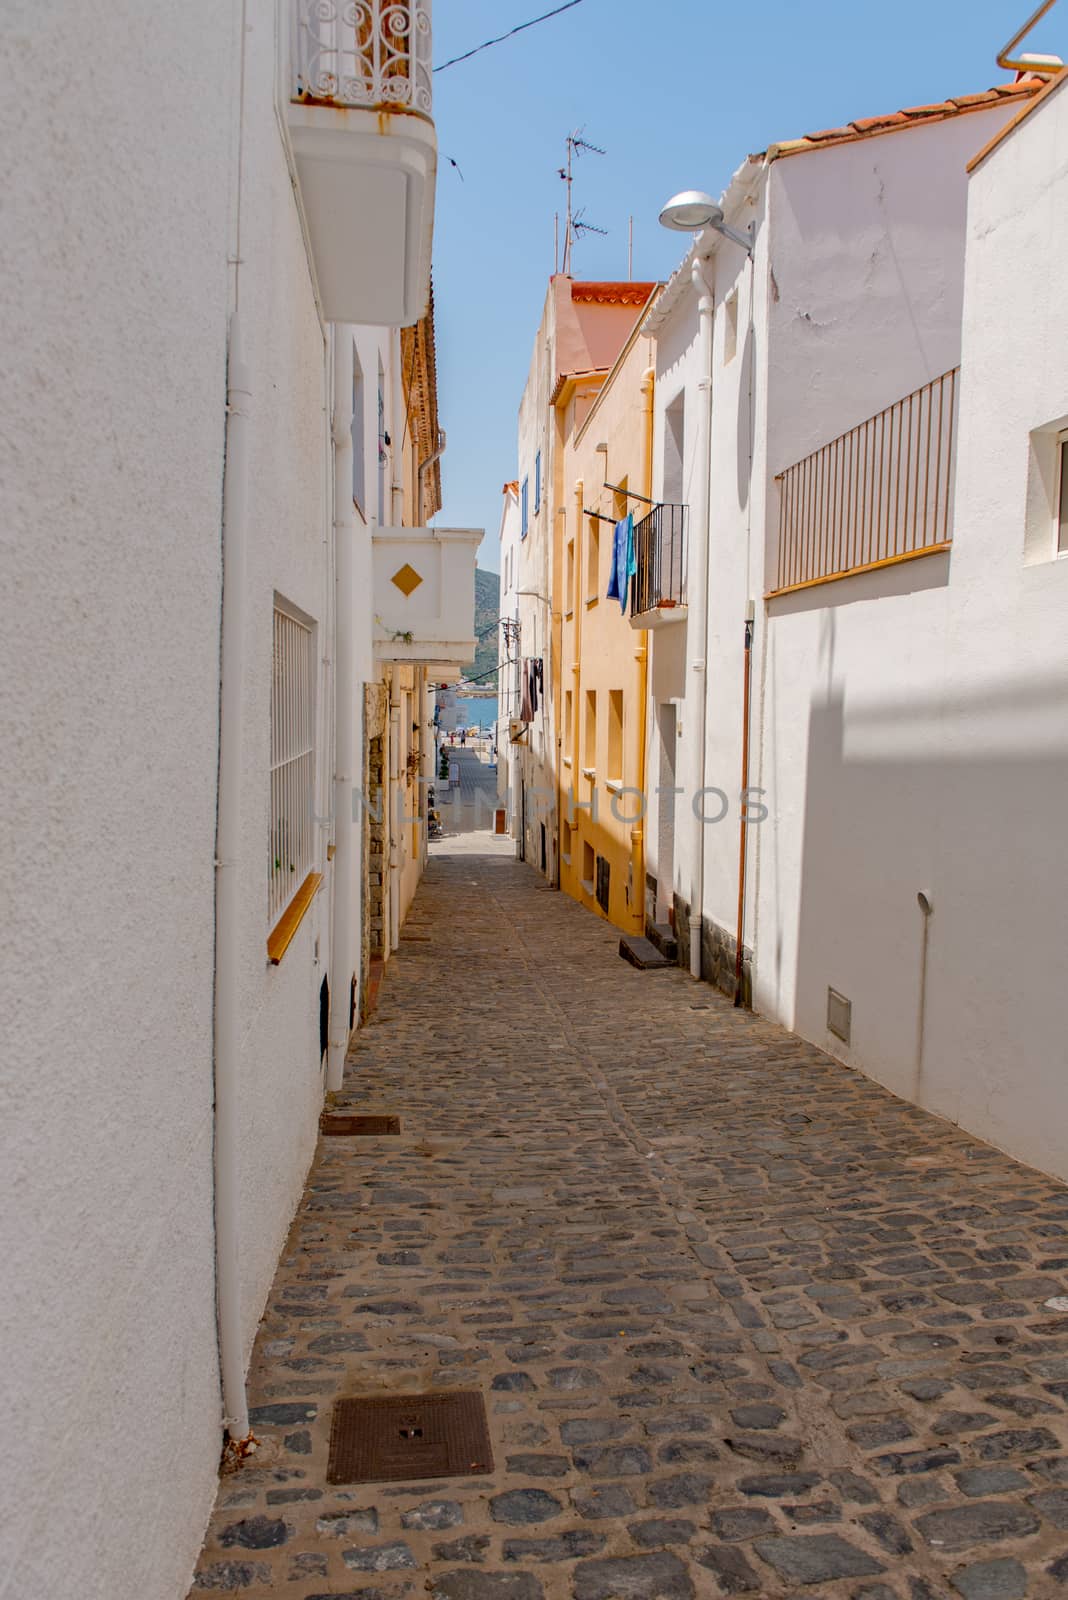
744	1323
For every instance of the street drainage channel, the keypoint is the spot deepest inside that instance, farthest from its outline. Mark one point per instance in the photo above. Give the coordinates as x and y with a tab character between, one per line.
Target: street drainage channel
339	1124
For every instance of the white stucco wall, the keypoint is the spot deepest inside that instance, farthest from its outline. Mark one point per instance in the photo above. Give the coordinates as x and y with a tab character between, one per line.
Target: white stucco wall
994	1051
117	281
908	724
903	713
537	752
114	293
289	519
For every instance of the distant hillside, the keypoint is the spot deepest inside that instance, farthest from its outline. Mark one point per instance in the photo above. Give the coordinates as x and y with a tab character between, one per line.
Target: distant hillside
487	610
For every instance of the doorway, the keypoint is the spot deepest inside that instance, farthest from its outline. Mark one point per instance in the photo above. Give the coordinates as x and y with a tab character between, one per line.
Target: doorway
665	814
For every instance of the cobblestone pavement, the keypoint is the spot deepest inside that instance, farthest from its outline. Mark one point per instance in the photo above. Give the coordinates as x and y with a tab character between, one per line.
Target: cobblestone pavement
745	1324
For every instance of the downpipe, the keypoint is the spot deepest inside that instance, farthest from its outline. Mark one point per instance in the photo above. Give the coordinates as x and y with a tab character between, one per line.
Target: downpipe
699	548
227	900
344	829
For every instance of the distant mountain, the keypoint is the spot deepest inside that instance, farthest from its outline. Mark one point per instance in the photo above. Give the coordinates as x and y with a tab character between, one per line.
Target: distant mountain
487	611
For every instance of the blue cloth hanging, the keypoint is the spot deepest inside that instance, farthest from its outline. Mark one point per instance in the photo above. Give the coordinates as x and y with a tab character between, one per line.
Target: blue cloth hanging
623	561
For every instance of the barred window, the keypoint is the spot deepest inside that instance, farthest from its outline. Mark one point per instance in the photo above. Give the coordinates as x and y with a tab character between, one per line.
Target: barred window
292	837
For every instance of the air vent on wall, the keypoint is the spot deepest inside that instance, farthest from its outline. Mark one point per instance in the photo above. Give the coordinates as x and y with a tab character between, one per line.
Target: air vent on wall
839	1015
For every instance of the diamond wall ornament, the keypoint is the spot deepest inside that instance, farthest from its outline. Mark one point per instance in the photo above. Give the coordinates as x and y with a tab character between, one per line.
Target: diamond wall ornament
406	579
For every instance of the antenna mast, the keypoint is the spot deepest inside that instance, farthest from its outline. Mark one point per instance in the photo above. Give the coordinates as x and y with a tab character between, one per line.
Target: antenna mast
574	225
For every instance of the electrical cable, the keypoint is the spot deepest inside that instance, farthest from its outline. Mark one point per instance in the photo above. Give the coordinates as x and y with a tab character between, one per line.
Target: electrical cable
509	35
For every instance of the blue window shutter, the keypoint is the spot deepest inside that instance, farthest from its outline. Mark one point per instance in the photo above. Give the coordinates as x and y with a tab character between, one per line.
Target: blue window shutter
523	510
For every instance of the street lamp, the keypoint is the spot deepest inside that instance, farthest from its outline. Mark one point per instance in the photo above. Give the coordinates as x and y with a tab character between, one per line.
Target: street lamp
693	210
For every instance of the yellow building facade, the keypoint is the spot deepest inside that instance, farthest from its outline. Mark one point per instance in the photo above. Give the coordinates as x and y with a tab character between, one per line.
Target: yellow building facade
605	423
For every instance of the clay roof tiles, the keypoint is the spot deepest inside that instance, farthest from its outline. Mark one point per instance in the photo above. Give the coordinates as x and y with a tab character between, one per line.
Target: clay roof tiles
868	127
611	294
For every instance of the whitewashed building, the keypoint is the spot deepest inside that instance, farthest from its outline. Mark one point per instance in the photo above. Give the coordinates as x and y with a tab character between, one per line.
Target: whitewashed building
509	668
204	469
820	418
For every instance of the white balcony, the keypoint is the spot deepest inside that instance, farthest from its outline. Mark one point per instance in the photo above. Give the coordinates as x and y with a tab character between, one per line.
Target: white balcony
424	596
360	123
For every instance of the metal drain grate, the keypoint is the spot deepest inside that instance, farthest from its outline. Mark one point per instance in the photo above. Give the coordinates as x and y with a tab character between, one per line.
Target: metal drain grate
335	1122
388	1438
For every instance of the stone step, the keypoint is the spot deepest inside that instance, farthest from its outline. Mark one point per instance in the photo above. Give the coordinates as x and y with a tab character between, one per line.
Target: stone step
642	953
662	934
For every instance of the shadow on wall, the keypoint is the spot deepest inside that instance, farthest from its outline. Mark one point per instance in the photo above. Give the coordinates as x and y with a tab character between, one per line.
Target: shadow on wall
962	1009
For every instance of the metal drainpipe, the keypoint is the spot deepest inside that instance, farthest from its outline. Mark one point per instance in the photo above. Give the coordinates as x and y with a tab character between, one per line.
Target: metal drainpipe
341	941
421	477
228	897
698	579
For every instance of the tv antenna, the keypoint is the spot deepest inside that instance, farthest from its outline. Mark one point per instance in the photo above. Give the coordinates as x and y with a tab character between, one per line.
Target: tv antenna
575	225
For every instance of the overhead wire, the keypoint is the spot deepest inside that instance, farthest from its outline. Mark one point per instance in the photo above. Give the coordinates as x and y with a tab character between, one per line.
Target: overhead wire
509	35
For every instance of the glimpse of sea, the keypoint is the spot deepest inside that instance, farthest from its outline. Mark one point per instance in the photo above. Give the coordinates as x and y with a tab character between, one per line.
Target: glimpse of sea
478	713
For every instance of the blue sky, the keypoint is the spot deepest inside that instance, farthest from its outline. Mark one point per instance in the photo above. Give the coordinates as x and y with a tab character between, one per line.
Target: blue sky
677	94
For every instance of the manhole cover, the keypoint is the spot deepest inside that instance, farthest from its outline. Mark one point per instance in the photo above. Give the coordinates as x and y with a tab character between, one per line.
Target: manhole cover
387	1438
332	1122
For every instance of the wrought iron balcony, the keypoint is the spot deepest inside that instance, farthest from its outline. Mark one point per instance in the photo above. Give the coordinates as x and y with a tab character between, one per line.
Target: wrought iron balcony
658	588
371	53
363	140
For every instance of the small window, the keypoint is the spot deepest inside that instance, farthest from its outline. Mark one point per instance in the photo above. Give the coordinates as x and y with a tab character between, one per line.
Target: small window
589	745
588	867
537	482
730	327
569	592
523	511
359	436
383	456
593	560
291	852
615	735
1061	526
674	443
565	841
568	705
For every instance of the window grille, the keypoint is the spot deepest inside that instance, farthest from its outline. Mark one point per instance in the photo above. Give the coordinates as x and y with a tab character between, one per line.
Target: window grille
292	836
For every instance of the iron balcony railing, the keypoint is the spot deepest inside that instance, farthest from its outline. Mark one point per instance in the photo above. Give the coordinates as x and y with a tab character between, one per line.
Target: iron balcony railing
370	53
660	554
881	493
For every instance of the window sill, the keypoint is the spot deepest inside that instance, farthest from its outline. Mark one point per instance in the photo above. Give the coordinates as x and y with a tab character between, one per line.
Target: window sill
282	934
614	785
565	761
565	859
591	600
587	884
589	772
568	615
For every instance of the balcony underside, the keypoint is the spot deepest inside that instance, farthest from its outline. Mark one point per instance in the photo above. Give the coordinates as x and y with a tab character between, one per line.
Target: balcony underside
424	595
367	190
659	616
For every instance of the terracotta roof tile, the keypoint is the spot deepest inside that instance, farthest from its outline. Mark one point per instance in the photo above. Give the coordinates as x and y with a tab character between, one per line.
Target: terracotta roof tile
868	127
611	294
963	101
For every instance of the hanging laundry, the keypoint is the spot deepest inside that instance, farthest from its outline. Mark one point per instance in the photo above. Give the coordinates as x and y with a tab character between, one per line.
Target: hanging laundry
623	561
526	710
